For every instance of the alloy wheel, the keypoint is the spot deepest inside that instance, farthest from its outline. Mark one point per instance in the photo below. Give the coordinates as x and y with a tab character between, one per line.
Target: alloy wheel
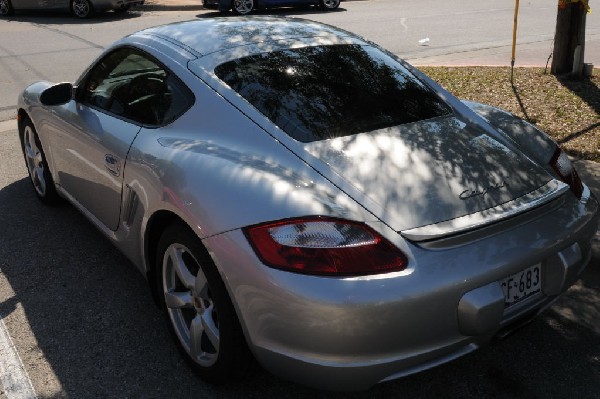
81	8
5	7
190	305
35	161
331	4
243	7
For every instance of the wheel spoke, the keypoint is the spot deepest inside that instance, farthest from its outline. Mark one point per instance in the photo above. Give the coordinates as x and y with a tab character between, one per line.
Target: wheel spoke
41	182
196	330
201	286
181	269
179	300
27	134
210	328
31	158
31	144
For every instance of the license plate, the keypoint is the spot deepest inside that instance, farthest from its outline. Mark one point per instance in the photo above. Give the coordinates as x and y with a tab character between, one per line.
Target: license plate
522	285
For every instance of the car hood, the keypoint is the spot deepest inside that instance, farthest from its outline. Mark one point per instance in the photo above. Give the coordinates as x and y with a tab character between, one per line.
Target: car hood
433	171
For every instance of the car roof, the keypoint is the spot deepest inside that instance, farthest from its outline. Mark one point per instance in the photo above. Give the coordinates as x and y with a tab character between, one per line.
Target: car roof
207	36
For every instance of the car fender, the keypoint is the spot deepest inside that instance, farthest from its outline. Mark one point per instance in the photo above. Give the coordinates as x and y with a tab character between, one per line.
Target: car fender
29	105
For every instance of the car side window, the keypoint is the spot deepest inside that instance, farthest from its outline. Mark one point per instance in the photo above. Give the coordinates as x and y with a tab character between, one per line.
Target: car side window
132	85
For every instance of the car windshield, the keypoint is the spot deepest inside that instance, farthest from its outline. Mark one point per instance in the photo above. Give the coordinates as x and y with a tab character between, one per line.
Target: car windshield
323	92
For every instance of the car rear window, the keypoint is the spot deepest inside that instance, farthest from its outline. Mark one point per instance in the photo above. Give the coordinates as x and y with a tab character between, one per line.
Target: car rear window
323	92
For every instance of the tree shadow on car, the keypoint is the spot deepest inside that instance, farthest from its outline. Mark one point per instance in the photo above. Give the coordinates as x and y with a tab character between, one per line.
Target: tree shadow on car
65	18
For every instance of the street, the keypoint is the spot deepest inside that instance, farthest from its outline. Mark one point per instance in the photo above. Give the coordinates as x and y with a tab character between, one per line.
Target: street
81	317
57	47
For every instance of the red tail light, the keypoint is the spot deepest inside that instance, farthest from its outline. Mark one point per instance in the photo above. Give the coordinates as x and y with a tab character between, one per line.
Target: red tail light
563	167
324	246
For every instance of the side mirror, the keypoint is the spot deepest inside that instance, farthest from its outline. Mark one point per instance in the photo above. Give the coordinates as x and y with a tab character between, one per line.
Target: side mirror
58	94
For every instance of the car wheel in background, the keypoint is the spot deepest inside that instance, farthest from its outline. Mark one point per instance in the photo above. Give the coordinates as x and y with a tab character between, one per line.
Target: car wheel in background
37	165
5	7
243	7
82	8
198	308
330	4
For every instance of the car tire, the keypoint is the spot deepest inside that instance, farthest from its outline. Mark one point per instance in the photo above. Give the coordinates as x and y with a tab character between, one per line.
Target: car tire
198	309
82	8
36	163
330	4
243	7
5	8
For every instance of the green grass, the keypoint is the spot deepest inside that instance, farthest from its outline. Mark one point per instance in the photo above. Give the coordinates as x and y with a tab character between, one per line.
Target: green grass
566	109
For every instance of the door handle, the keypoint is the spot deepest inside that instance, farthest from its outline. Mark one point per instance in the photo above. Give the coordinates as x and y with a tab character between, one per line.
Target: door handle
112	164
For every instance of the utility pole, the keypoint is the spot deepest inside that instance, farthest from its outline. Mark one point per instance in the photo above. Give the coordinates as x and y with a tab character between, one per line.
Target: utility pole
569	39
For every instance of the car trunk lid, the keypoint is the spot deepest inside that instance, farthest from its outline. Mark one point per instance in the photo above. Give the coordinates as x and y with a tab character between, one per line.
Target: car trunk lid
425	173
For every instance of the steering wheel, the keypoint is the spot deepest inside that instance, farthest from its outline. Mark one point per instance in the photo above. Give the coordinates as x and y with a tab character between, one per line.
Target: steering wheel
144	85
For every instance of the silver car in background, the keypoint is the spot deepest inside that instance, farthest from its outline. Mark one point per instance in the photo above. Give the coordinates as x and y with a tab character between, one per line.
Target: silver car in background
79	8
296	194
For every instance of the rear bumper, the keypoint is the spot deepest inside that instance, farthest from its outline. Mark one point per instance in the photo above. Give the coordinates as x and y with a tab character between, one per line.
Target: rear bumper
349	374
352	333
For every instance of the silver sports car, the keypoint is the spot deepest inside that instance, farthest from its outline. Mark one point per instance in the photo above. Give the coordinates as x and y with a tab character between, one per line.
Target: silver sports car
296	194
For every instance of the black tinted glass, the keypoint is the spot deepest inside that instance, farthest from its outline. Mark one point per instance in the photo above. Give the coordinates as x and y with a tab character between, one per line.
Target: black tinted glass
317	93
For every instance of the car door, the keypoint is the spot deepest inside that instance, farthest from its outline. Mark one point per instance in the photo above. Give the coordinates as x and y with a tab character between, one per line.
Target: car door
119	94
43	4
28	4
